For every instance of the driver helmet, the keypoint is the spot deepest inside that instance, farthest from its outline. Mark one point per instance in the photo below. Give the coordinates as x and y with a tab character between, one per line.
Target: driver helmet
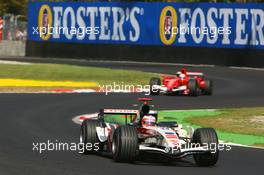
148	120
183	71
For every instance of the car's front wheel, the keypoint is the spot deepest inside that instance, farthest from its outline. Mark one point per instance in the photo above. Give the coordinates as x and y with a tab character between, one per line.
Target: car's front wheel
206	137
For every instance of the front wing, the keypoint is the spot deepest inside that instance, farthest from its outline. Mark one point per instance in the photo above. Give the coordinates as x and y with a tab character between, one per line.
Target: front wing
175	153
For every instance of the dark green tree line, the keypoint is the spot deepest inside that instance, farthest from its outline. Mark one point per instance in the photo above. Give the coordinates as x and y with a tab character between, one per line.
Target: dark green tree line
17	7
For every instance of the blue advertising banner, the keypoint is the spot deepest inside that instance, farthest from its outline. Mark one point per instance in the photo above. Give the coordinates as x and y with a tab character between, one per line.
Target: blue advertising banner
166	24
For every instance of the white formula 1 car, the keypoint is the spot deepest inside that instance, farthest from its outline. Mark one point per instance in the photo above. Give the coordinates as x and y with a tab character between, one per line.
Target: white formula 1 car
131	132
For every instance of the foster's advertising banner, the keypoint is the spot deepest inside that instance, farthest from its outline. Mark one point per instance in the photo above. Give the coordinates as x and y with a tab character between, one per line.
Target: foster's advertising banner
217	25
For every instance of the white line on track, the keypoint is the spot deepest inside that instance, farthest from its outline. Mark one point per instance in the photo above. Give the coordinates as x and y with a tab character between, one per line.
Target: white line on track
132	62
14	62
152	63
115	62
247	68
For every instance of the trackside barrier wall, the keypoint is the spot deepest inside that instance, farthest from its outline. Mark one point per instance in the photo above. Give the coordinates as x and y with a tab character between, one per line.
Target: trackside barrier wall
199	33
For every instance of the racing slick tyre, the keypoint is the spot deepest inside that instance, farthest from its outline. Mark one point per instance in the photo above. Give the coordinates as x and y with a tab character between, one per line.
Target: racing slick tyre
88	136
125	144
206	137
154	81
208	90
193	87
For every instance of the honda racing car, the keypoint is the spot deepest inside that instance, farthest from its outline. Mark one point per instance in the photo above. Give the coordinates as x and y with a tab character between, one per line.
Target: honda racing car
184	83
140	132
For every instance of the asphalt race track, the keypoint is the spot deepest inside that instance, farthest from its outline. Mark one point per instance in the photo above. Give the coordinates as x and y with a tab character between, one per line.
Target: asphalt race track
28	118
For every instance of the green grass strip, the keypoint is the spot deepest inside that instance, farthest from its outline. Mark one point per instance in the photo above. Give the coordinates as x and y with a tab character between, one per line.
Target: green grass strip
60	72
181	117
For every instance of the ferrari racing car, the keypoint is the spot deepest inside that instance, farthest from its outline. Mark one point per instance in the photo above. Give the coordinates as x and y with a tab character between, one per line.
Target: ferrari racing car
184	83
131	132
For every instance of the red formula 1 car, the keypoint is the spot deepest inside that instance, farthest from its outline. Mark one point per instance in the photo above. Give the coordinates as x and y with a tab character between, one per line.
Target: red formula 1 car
185	83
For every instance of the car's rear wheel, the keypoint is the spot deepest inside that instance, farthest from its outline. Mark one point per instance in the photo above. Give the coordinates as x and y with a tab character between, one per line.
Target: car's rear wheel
154	81
88	136
125	144
208	90
206	137
193	87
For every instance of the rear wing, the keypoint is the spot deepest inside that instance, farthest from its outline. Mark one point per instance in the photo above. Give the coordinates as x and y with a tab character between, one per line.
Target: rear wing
120	111
193	73
125	111
130	115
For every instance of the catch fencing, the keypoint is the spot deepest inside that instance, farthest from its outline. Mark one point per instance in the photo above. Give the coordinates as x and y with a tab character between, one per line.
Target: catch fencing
13	28
13	34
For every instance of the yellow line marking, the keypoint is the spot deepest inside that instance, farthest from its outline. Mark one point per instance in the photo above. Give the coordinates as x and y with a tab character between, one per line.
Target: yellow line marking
40	83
